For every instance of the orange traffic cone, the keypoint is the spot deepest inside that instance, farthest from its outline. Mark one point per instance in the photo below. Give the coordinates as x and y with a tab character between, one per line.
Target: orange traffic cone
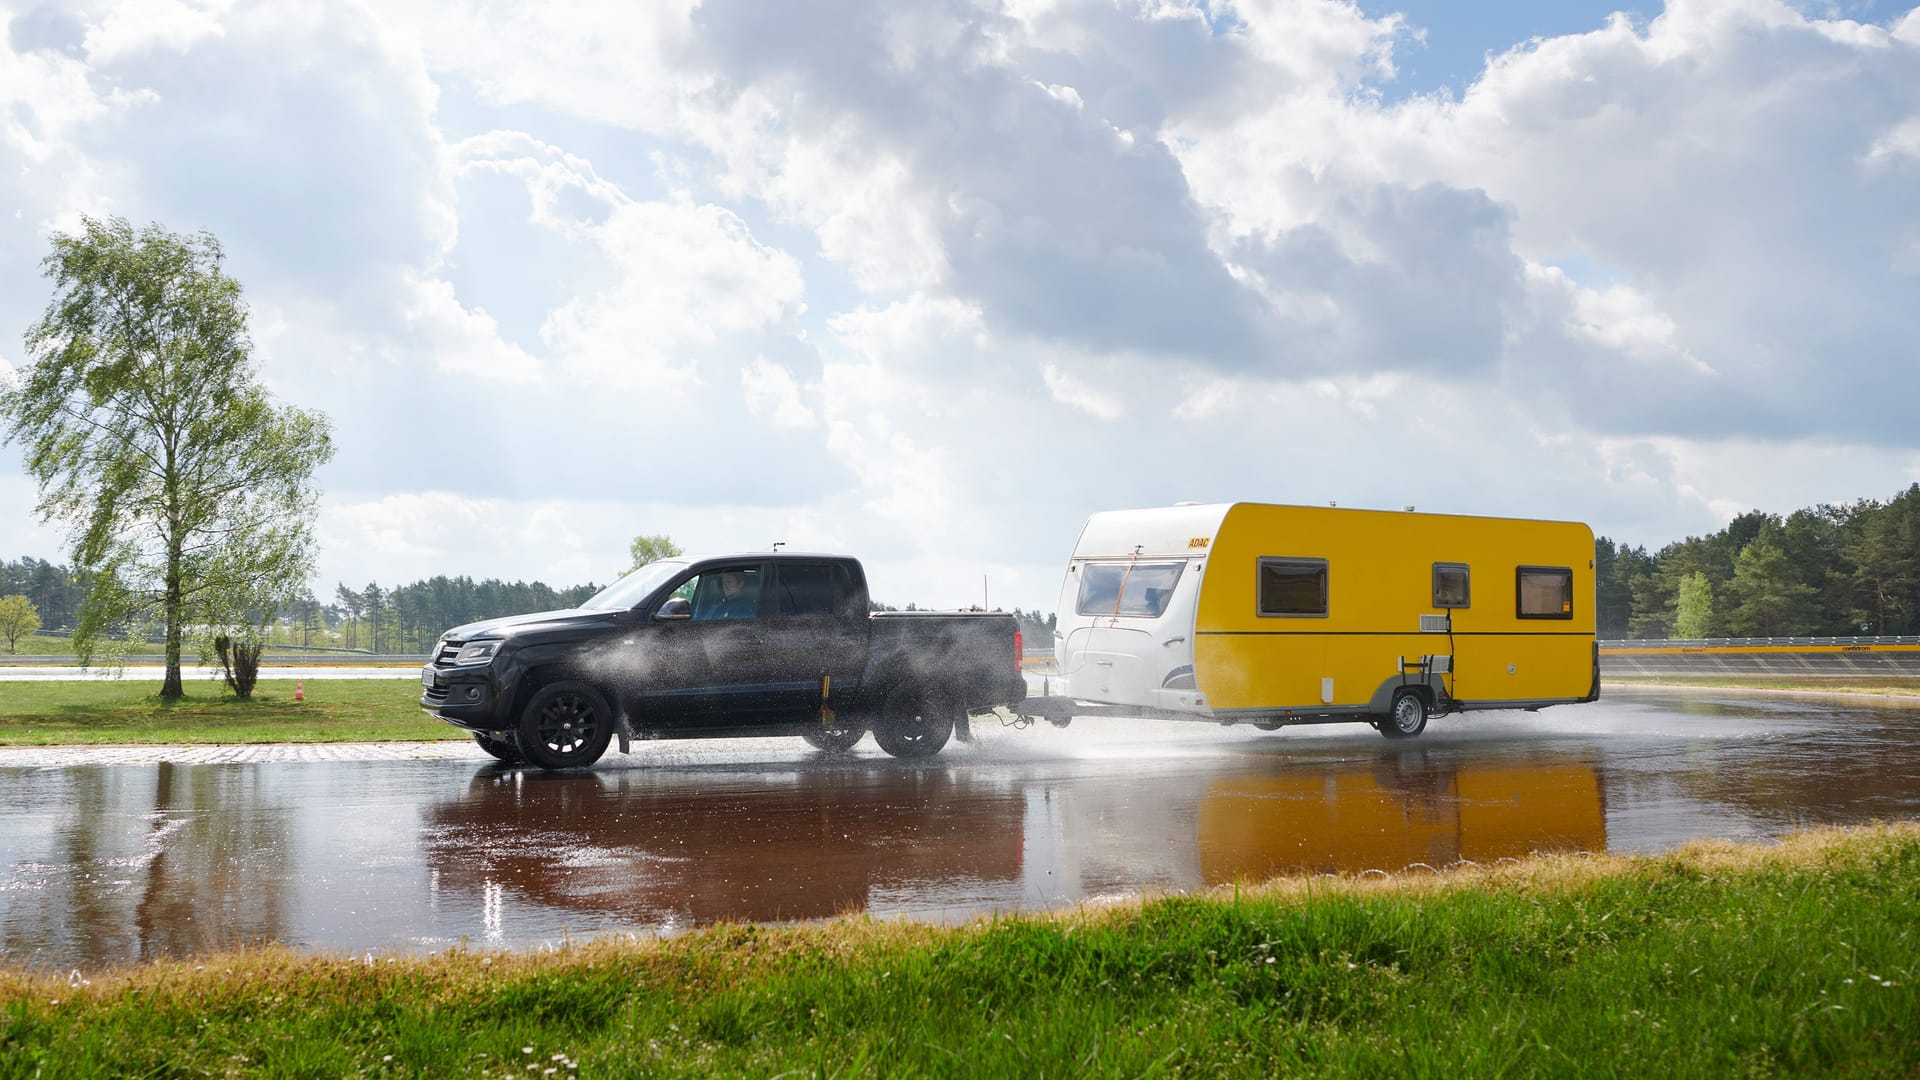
299	688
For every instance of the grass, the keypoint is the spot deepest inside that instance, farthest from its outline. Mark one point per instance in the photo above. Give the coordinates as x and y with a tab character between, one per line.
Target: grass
125	711
43	645
139	652
1717	960
1888	686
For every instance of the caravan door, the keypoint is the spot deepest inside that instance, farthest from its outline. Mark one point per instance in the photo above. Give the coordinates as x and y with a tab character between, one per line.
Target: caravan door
1130	636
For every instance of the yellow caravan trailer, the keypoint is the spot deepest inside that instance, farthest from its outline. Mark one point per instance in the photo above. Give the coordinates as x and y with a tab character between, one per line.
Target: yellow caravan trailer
1275	615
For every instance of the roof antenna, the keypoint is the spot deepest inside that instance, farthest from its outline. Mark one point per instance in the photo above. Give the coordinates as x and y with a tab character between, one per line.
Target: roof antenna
778	544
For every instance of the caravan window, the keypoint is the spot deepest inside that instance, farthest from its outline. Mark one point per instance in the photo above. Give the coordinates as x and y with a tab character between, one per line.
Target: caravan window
1293	586
1117	588
1546	592
1450	580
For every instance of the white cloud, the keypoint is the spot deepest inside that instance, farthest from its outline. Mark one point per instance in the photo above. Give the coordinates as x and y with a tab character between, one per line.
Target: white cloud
773	395
688	276
464	341
1066	95
1076	394
566	194
896	335
1680	153
622	65
1902	141
132	26
1321	43
1619	317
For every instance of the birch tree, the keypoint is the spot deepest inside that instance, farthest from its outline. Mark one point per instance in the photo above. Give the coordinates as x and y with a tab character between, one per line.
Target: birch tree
185	487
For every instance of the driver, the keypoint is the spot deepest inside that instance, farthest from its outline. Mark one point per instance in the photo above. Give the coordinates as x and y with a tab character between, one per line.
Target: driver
739	596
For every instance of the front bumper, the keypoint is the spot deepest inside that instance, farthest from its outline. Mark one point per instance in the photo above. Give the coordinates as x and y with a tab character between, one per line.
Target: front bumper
463	696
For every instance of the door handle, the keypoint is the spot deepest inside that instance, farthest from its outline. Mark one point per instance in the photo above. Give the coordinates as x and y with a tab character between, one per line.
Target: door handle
1171	642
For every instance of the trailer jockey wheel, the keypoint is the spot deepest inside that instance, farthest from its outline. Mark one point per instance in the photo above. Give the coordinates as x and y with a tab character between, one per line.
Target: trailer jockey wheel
1407	717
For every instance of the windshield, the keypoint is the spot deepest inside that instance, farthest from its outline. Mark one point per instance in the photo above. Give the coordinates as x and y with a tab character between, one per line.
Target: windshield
630	590
1134	588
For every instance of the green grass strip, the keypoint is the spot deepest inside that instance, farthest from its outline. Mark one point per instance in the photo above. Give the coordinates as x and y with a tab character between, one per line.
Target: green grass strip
1719	960
1885	686
125	711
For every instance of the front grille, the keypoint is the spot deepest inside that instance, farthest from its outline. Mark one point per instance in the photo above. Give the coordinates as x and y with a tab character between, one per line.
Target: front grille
448	650
437	695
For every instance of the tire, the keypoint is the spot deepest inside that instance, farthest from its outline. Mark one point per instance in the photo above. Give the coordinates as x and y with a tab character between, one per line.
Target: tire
565	725
913	724
1408	716
834	740
502	747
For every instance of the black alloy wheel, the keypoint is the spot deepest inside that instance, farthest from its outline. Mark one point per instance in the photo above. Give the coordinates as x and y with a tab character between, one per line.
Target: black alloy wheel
500	746
837	738
913	724
566	725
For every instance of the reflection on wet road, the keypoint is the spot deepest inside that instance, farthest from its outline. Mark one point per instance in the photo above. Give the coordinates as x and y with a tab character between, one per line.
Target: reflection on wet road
103	864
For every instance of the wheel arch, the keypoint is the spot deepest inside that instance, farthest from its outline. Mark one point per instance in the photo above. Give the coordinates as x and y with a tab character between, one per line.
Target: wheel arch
1427	686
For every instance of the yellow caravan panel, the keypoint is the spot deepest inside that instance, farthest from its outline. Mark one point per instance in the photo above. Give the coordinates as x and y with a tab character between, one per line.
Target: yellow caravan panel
1379	580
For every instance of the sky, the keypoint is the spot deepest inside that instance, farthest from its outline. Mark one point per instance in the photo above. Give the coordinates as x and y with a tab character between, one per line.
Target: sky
929	281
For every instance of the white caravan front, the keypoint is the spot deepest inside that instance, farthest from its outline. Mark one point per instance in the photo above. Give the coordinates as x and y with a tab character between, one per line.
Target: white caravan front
1127	608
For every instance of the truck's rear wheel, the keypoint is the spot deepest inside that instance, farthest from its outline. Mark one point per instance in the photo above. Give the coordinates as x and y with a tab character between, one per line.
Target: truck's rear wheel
565	725
500	745
913	724
837	739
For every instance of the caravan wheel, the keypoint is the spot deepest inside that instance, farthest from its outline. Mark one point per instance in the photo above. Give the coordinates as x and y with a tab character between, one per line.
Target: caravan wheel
1408	716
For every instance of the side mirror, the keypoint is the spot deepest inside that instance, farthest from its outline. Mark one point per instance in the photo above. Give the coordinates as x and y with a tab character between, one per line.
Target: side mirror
677	607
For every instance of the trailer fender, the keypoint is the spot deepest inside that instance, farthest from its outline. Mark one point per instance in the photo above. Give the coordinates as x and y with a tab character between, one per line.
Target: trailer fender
1431	687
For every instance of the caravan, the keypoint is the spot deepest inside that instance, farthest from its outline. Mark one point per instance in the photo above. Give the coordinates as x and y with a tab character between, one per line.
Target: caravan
1275	615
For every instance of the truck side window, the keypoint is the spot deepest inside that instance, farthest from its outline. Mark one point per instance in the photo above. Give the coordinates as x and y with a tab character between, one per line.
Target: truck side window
1450	581
730	592
812	589
1545	592
1293	587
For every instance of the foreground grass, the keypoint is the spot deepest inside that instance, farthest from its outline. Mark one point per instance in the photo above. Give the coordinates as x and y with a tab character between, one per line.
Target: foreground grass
102	712
1717	960
1890	686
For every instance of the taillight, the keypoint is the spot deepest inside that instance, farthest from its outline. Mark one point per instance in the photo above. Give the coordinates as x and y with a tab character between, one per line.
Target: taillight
1018	652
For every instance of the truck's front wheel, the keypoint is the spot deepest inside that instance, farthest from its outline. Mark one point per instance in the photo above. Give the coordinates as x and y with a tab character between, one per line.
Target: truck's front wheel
913	724
566	725
501	746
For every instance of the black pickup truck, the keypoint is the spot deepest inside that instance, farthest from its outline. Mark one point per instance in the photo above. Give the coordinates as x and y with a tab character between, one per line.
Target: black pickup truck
755	644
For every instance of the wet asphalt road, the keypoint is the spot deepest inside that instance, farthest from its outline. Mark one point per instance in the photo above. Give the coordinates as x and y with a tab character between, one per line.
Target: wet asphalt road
113	856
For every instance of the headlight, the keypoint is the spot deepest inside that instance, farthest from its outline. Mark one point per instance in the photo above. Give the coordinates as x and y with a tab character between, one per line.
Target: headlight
477	652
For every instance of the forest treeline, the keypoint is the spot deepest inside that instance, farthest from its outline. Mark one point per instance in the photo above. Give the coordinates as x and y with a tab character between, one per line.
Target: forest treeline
402	619
1838	570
